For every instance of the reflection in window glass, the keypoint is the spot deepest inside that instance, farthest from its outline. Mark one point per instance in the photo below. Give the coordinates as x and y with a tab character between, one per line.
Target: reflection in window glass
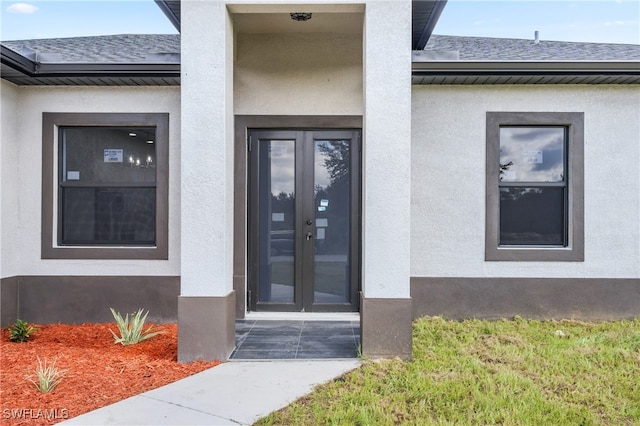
107	184
332	196
276	227
532	154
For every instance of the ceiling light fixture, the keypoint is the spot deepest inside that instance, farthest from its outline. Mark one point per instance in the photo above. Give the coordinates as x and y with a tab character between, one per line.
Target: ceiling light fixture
300	16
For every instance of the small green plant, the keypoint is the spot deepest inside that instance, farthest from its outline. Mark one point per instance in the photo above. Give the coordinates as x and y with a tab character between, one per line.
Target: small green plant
20	331
131	330
47	376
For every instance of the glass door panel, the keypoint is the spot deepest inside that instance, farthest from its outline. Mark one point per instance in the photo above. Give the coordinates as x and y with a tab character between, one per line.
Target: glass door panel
276	220
332	187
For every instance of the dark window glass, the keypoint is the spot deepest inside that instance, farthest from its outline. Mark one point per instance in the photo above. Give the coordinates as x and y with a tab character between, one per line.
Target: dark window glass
107	186
532	216
277	192
108	215
533	182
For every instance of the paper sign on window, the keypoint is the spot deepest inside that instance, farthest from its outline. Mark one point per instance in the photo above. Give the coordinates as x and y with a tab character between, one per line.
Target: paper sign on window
277	151
532	157
277	217
73	175
113	156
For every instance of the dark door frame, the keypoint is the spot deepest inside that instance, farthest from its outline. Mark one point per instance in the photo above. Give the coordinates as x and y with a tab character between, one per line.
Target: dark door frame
242	124
304	249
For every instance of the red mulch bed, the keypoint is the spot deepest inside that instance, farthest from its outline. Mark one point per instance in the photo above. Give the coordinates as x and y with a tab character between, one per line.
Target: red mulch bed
99	372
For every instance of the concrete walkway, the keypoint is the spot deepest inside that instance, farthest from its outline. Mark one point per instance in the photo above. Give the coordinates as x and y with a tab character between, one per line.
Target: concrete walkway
234	393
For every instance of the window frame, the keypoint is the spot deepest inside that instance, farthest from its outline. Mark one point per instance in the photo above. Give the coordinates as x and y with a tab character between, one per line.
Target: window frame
51	247
574	208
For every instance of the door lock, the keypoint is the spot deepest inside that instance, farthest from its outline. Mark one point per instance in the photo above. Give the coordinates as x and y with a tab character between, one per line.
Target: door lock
309	236
309	222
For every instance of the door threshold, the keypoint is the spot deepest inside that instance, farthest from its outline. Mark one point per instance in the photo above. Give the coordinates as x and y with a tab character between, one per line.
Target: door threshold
303	316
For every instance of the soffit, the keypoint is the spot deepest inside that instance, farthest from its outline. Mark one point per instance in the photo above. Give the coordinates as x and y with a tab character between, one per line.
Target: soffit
424	17
171	9
523	72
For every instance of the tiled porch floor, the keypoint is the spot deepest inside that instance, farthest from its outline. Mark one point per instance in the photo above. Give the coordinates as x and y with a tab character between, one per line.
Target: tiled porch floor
270	339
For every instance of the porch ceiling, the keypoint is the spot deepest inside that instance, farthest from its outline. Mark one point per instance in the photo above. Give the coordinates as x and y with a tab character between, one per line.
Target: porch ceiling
425	15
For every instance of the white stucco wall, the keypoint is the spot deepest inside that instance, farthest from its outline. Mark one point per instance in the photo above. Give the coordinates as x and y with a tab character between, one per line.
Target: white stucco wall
207	149
387	150
33	101
448	179
298	74
9	143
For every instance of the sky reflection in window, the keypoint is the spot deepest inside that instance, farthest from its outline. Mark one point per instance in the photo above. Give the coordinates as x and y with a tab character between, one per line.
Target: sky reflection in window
532	154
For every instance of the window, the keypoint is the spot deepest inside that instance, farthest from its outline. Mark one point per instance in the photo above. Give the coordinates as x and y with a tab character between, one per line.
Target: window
535	186
109	197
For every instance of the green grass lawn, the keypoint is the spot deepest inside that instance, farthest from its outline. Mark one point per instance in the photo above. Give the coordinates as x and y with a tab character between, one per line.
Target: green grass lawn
515	372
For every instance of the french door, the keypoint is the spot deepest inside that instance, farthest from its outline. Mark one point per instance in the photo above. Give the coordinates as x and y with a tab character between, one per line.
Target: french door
304	220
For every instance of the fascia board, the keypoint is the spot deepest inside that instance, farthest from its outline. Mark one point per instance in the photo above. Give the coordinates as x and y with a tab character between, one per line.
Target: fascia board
89	69
17	61
524	67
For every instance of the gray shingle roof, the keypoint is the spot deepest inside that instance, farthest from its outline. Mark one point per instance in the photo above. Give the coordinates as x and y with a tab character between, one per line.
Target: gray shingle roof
502	49
155	60
141	48
126	48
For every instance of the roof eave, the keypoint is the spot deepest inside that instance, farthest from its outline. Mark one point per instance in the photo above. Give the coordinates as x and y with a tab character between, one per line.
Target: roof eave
169	13
108	69
20	70
526	66
16	61
427	30
525	72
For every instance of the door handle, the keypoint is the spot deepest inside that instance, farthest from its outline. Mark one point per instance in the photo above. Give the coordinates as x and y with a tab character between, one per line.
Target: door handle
309	236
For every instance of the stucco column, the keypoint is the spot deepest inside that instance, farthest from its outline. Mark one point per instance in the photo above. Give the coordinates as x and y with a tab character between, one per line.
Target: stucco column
386	303
206	304
11	185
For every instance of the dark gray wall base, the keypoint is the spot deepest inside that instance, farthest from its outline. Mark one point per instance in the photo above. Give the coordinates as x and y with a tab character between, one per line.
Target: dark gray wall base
79	299
206	327
592	299
8	301
240	289
385	328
